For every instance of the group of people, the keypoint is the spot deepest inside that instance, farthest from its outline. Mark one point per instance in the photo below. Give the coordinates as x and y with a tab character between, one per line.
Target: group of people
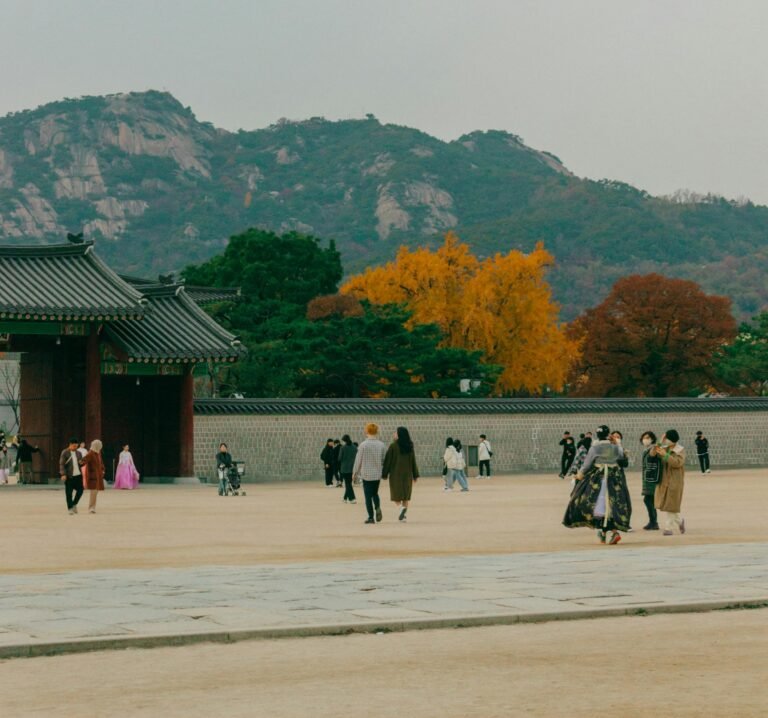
21	463
574	452
338	459
600	498
81	468
370	463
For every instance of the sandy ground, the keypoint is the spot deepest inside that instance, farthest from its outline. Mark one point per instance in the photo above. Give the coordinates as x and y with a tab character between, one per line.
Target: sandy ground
165	526
675	666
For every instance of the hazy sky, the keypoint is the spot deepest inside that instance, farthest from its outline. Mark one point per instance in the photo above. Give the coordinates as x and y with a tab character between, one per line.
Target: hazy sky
663	94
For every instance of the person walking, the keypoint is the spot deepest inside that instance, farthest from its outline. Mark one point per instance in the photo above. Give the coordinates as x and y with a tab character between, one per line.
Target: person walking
369	464
600	499
24	462
702	451
71	474
346	467
669	495
401	470
452	460
651	475
328	457
569	453
5	463
126	476
461	471
484	454
94	465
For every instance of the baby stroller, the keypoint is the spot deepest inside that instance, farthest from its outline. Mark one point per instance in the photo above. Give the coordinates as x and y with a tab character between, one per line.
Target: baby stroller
229	483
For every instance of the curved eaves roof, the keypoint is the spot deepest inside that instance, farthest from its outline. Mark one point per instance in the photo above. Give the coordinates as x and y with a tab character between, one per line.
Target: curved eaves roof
174	330
63	282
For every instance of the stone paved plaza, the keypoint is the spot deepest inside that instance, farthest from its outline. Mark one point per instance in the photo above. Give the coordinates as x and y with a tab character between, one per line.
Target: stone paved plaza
81	610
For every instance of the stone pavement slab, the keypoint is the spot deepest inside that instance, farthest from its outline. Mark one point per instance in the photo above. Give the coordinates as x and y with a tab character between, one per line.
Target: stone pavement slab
61	612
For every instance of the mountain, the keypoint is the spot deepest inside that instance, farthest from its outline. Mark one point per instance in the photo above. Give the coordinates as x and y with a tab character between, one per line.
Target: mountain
159	189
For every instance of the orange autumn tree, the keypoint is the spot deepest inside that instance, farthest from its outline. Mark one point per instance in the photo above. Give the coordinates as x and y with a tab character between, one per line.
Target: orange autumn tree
431	284
501	306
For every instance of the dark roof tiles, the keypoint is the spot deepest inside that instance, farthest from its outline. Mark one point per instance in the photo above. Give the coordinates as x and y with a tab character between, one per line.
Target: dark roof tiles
174	329
372	407
63	282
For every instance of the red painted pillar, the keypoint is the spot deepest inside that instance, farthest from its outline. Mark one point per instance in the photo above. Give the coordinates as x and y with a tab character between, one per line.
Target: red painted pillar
92	387
186	425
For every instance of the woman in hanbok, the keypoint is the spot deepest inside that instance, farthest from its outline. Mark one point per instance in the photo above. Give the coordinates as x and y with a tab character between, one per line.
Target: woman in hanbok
600	499
126	476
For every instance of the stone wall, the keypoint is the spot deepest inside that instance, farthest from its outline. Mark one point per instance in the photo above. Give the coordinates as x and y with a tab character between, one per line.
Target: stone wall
286	446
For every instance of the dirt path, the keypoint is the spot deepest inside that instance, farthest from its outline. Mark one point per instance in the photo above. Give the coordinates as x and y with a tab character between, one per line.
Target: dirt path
189	525
676	666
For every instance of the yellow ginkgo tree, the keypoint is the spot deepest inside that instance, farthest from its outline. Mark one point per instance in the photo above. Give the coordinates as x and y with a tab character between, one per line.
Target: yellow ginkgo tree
501	306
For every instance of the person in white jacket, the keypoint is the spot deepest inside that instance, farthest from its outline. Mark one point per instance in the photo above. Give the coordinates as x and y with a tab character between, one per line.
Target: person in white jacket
454	464
484	454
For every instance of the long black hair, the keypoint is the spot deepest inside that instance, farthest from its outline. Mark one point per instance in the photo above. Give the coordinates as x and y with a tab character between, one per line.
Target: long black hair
404	440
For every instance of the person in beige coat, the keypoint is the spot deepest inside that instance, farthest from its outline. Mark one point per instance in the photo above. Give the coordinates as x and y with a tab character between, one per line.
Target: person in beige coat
669	495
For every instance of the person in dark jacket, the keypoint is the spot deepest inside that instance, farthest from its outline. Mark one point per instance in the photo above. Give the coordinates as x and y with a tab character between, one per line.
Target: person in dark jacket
346	466
569	453
702	451
337	461
328	457
72	475
401	470
223	464
24	462
651	475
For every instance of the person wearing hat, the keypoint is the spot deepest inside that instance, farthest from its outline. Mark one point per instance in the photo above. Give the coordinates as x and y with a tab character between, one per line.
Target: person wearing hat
702	451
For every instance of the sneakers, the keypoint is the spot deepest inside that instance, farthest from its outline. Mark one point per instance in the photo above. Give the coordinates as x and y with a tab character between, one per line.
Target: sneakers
651	527
666	533
464	490
707	471
403	511
74	509
352	501
615	538
71	512
601	535
378	515
369	521
682	526
447	488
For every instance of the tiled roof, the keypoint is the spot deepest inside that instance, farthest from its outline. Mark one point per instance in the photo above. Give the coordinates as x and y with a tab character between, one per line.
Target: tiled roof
200	295
211	295
372	407
174	330
64	283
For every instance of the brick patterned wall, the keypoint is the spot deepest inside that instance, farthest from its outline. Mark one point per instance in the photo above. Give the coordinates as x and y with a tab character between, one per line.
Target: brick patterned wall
288	447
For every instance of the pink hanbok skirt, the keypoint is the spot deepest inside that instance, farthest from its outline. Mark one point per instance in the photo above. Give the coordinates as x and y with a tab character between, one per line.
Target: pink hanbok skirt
126	477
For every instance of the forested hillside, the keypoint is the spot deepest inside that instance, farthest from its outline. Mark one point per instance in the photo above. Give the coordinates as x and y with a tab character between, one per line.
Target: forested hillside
158	189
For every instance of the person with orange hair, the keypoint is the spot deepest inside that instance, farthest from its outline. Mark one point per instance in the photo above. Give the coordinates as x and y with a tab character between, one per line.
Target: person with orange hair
369	465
